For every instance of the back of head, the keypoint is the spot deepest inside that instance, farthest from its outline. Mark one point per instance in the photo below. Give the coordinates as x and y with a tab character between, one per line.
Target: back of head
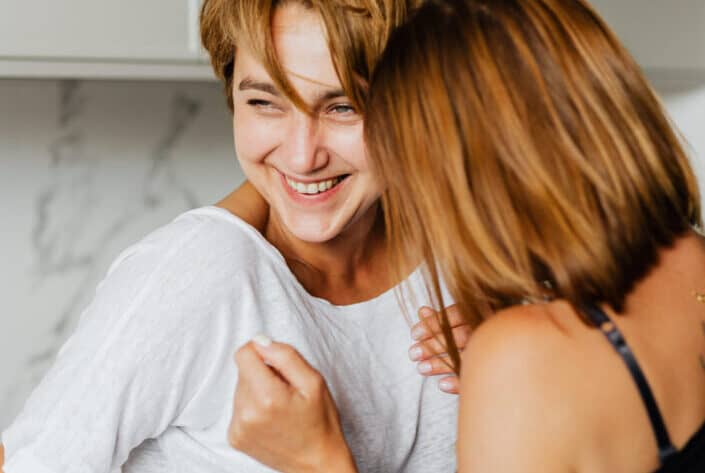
524	149
357	34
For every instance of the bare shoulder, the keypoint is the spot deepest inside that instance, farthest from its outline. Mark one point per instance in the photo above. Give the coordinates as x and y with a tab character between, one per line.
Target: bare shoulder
524	341
518	392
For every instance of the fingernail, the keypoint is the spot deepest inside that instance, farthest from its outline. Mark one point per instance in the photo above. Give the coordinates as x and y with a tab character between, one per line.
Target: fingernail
426	312
425	367
262	340
418	333
445	385
415	353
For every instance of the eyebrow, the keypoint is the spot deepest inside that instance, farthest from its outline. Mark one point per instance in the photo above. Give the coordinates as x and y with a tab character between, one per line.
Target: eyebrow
251	84
329	95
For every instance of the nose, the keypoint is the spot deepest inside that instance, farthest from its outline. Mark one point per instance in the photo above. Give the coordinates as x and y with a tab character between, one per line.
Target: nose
303	148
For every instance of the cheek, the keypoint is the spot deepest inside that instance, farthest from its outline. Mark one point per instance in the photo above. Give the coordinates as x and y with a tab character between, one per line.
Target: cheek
350	145
253	140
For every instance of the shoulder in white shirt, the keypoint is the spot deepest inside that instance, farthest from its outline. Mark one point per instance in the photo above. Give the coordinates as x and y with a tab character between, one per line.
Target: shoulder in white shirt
147	378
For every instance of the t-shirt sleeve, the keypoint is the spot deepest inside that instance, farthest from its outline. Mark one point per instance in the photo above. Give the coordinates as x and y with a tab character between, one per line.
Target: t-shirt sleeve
136	359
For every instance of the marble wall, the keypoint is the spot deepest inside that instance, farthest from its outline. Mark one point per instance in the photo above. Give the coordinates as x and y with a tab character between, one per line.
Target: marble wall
87	168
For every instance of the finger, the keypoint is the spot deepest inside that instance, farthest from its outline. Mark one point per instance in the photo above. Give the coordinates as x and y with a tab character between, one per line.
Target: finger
429	323
435	366
291	366
258	378
436	345
449	384
454	314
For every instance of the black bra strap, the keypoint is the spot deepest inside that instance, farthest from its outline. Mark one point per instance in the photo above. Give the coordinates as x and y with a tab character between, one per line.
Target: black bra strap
615	337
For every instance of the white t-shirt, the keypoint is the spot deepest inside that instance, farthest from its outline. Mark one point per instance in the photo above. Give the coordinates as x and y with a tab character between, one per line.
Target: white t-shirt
147	379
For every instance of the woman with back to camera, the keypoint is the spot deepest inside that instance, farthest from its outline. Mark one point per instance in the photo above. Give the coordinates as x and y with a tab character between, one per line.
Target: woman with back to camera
526	156
147	379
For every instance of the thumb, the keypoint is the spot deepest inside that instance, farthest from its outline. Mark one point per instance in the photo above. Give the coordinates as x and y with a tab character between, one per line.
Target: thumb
290	365
254	374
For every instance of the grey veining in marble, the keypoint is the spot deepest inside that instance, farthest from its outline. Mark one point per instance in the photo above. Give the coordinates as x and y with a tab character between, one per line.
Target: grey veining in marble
91	198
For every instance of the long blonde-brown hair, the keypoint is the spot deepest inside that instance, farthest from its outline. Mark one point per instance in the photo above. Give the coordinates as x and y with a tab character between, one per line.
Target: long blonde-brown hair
357	33
525	156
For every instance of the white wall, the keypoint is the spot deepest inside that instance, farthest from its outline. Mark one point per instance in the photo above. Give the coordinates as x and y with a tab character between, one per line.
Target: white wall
685	101
86	168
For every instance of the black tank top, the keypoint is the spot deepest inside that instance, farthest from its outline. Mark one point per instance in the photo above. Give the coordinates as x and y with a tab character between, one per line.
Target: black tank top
691	459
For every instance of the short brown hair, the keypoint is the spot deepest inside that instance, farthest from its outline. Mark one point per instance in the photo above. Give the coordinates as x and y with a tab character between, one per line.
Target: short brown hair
521	143
357	33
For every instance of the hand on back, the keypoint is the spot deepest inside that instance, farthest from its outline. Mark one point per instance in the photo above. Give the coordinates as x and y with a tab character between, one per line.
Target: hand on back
429	350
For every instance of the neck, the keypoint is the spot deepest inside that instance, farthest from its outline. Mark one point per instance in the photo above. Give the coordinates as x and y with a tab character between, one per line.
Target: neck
346	269
678	276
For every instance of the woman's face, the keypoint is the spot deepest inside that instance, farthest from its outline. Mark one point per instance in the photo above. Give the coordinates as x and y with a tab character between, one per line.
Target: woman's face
312	169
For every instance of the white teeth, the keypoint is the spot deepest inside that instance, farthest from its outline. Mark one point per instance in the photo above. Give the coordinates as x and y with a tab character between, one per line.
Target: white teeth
314	187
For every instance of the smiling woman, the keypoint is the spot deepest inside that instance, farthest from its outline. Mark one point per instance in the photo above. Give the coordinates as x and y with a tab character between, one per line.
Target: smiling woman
150	367
529	161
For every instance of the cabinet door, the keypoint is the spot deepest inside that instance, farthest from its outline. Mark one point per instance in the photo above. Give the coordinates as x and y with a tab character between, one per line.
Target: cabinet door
99	29
661	34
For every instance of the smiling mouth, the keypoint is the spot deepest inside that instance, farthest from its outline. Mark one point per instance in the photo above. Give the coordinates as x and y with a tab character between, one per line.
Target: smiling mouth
313	188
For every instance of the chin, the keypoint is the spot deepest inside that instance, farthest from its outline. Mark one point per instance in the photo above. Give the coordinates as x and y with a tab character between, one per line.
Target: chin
312	230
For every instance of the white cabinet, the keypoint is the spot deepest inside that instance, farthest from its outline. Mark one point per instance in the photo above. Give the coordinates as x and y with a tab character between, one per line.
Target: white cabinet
663	35
138	39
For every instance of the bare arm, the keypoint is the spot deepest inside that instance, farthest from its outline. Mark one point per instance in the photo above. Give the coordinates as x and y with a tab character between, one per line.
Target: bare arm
246	203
